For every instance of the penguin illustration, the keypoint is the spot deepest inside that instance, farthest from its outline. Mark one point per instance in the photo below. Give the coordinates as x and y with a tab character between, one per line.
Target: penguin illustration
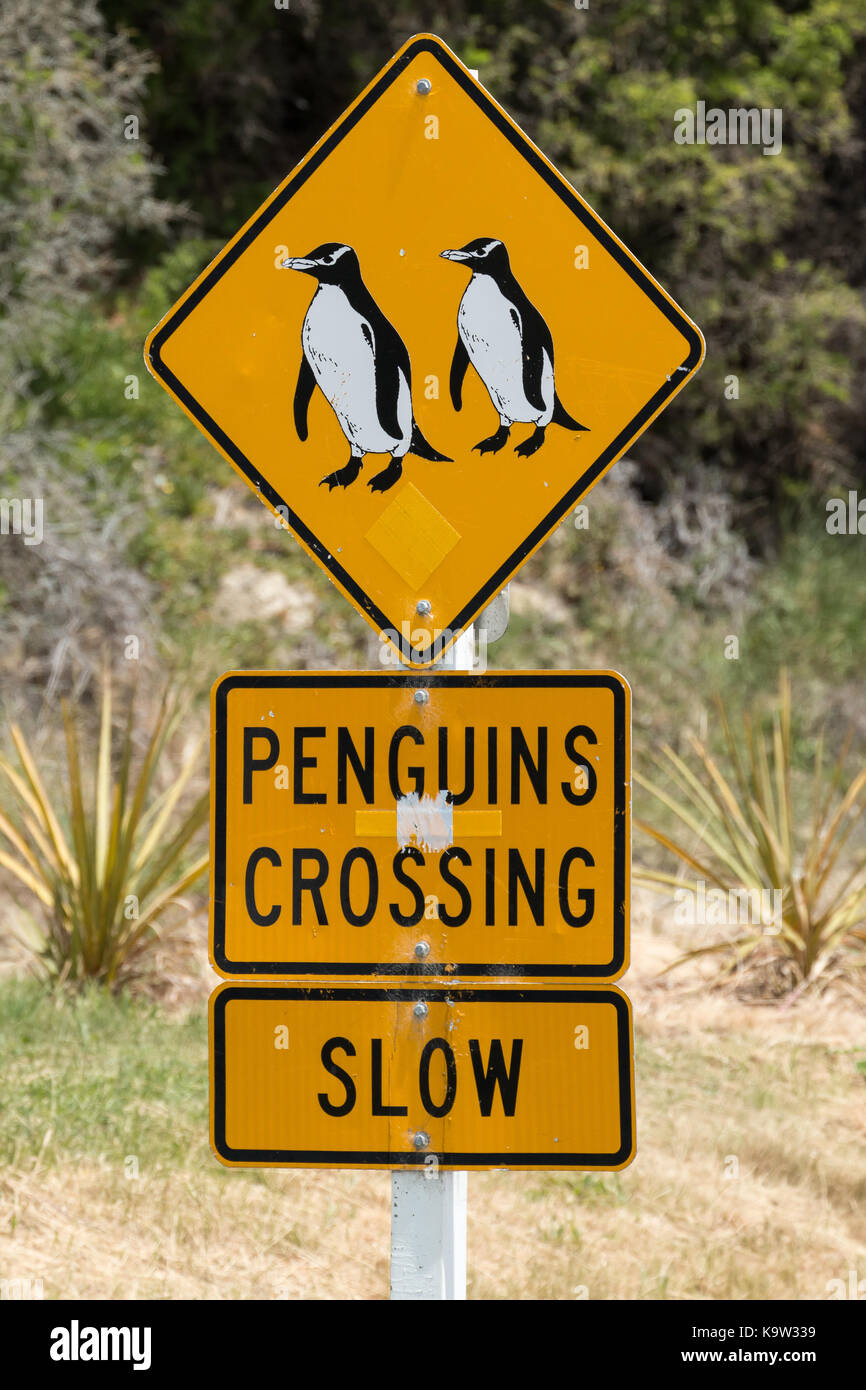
360	364
509	345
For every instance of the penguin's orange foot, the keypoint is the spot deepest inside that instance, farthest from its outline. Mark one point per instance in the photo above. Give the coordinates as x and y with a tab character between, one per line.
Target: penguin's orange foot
494	442
387	478
343	476
532	444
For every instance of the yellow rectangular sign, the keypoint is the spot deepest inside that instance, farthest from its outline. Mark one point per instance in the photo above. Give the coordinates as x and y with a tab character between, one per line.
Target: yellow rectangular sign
459	825
351	1076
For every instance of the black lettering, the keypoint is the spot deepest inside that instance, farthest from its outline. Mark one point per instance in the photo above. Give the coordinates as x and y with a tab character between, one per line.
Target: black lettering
457	798
301	884
331	1066
575	756
437	1045
416	773
252	764
261	919
455	919
586	895
490	887
378	1107
359	919
364	771
536	769
410	919
303	798
492	766
532	892
488	1077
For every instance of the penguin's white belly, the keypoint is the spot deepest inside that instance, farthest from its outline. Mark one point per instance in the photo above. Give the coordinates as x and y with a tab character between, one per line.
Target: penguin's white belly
342	361
495	347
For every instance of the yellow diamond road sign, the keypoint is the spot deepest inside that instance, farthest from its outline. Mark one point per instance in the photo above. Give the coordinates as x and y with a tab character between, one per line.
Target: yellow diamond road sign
352	1076
423	350
479	830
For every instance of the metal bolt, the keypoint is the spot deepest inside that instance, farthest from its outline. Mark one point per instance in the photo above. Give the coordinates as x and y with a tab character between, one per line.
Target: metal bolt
421	697
422	950
423	606
424	86
420	1010
421	1140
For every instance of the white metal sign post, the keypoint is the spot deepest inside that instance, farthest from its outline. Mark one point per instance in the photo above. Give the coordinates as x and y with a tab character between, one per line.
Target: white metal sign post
428	1235
428	1206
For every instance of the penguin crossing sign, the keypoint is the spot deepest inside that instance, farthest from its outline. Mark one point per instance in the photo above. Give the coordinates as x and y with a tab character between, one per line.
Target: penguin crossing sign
423	350
350	1076
420	825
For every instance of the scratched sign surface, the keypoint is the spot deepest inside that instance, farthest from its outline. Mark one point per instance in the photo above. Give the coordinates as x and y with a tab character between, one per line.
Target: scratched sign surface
347	1076
455	825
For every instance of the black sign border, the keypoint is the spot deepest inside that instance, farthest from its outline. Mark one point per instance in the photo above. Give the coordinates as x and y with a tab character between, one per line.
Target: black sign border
283	680
413	656
359	1158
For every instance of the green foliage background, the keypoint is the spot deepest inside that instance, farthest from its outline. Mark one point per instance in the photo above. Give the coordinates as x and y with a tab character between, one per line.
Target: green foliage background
767	252
716	526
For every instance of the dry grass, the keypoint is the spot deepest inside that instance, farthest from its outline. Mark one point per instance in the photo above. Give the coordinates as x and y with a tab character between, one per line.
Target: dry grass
776	1088
181	1236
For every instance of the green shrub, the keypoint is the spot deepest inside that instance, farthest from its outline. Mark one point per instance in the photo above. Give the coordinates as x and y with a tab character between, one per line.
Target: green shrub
749	831
104	862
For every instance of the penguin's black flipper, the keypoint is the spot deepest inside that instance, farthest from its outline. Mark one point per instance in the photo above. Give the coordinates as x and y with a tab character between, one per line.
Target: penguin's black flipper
423	448
390	362
387	395
532	364
562	417
536	342
303	391
459	363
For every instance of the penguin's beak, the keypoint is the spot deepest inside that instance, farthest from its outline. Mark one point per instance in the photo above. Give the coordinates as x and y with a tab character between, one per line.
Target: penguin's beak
456	255
298	263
